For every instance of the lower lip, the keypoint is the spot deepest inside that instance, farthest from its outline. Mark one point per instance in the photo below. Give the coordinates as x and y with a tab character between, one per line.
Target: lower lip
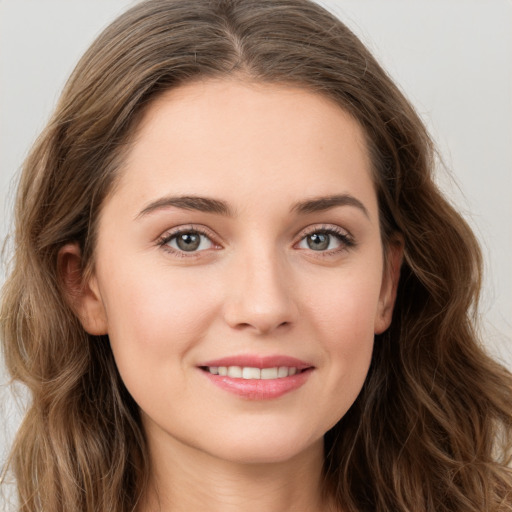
259	389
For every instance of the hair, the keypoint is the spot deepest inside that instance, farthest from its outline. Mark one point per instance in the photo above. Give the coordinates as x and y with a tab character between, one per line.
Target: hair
431	428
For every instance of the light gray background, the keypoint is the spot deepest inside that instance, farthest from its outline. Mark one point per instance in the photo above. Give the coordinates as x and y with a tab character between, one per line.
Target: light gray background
453	58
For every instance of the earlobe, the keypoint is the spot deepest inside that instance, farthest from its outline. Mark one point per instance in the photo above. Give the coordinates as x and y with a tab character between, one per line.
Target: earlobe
83	296
389	287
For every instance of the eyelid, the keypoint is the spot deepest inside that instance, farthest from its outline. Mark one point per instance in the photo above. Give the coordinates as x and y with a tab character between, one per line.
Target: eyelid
323	227
169	234
346	238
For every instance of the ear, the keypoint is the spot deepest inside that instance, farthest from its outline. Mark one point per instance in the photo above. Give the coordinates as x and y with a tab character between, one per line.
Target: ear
83	296
389	286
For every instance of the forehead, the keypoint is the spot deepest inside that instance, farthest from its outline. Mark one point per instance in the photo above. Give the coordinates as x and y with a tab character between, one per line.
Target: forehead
230	138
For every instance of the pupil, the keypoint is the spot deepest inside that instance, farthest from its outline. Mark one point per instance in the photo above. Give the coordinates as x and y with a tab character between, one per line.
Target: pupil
188	241
318	241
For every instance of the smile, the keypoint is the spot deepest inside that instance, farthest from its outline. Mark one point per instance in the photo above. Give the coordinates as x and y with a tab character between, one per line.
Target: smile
248	372
257	378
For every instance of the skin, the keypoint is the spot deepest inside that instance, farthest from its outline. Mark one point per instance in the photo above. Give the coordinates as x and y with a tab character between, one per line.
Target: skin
254	286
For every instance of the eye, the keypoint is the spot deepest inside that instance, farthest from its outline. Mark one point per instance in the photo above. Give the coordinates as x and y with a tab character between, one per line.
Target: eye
189	240
325	239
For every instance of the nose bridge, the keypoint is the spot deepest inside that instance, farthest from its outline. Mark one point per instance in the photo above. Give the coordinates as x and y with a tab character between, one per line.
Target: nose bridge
260	293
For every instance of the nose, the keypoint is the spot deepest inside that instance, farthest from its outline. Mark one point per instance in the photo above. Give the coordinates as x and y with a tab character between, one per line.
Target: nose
260	295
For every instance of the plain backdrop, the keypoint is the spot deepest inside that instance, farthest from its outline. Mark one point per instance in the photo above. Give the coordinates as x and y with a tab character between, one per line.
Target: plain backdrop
452	58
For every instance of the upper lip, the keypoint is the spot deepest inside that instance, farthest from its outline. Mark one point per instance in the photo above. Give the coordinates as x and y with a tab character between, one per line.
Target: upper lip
255	361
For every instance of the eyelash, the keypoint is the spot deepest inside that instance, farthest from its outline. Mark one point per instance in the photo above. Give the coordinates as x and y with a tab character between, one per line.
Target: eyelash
346	240
164	240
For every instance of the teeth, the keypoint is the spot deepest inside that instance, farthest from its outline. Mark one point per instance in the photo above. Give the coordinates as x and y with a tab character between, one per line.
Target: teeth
246	372
235	372
251	373
269	373
282	372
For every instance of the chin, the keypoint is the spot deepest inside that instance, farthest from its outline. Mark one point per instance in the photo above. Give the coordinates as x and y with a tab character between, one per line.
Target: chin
266	449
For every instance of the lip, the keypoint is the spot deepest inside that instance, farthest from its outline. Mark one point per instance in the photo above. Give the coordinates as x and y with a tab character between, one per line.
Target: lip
259	389
255	361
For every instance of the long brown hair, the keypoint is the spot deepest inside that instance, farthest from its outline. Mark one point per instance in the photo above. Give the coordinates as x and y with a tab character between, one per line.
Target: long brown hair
431	428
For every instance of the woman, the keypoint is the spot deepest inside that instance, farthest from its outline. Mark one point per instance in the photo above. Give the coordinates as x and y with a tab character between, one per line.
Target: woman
237	287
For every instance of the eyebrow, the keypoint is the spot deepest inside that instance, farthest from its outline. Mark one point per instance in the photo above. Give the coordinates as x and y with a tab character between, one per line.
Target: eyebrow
319	204
201	204
219	207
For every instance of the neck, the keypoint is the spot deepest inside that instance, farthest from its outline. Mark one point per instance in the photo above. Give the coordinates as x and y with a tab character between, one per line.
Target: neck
184	478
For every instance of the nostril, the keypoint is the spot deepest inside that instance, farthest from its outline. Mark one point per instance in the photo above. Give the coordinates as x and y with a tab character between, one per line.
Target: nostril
241	326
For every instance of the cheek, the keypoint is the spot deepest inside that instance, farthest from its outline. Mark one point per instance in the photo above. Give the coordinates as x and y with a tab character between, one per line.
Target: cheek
344	315
349	335
346	305
155	317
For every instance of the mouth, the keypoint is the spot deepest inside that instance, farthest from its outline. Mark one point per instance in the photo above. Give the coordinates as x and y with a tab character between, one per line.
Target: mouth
252	373
258	378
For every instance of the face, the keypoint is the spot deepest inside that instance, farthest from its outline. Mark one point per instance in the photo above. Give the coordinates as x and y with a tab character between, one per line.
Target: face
239	269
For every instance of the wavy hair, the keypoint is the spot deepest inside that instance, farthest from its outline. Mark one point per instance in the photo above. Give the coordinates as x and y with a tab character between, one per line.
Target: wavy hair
431	428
